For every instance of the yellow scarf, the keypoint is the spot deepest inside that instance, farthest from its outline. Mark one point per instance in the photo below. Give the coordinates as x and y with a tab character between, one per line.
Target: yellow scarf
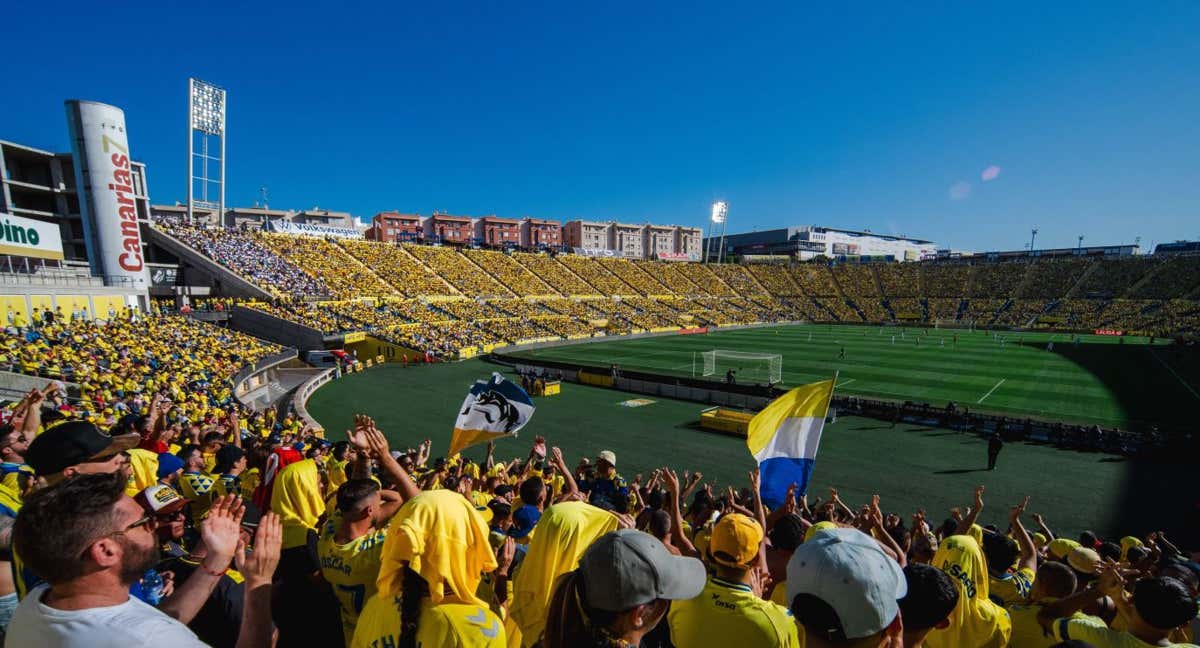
976	621
442	538
296	498
564	532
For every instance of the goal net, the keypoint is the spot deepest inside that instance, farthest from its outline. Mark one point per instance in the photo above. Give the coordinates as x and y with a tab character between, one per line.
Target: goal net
748	368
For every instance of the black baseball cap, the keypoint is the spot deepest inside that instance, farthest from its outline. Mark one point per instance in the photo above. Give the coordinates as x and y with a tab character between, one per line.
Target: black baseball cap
74	442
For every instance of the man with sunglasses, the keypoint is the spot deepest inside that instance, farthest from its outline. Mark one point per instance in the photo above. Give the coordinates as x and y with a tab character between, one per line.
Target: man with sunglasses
63	451
91	542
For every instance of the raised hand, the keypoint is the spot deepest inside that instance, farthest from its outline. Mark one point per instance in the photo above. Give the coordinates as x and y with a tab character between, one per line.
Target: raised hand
221	529
978	498
833	495
258	567
1018	510
755	480
376	441
672	481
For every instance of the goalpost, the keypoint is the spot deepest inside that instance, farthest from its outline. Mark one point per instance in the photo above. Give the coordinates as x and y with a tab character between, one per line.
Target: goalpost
748	368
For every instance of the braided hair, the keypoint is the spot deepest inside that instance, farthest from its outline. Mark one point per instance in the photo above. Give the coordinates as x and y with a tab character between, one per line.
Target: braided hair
414	588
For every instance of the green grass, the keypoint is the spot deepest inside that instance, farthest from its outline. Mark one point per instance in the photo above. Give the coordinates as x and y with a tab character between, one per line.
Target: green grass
910	466
1100	381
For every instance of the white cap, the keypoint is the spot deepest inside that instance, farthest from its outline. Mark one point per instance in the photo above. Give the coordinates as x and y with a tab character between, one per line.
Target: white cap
852	586
609	456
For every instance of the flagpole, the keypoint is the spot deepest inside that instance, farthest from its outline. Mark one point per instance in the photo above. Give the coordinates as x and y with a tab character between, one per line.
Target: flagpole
832	385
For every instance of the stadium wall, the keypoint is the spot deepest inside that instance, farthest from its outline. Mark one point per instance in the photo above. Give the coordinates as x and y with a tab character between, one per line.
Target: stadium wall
281	331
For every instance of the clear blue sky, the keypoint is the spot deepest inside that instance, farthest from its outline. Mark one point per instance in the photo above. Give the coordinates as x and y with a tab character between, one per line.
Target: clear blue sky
649	111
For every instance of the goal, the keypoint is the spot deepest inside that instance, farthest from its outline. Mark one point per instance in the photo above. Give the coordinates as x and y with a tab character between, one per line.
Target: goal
748	368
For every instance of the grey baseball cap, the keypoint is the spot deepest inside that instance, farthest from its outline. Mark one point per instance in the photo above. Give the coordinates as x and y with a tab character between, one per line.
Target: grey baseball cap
848	587
626	568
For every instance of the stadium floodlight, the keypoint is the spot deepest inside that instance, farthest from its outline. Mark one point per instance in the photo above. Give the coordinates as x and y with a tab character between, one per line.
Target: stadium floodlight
719	209
206	121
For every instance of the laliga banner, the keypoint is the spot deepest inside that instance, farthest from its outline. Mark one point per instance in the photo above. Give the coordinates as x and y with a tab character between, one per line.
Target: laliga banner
105	180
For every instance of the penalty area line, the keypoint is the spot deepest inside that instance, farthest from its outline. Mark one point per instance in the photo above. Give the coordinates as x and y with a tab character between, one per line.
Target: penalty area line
991	390
845	382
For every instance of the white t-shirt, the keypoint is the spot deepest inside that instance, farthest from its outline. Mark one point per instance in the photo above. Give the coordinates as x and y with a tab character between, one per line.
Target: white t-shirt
132	623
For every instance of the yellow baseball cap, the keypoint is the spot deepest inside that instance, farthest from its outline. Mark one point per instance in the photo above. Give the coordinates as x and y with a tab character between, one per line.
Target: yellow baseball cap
735	540
819	526
1060	547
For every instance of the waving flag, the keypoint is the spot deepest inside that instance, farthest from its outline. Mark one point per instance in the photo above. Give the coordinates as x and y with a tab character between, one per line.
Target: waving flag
784	436
494	408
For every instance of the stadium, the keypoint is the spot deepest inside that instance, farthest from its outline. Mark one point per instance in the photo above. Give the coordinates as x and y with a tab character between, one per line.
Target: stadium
657	343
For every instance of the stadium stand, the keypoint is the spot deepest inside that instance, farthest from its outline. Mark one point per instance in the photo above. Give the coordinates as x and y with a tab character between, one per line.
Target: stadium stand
1111	278
634	276
459	271
997	280
669	276
947	280
1176	278
704	278
856	280
775	278
555	274
245	255
1051	279
602	281
398	268
739	279
511	274
345	276
900	279
814	279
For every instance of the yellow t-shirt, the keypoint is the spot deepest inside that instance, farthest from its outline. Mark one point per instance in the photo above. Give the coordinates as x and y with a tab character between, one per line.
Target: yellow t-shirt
351	569
449	625
1093	631
730	614
1026	631
1013	588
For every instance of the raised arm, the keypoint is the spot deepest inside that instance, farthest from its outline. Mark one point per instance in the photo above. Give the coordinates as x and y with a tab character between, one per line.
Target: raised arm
572	489
968	520
220	531
678	537
258	568
1028	559
1037	517
397	473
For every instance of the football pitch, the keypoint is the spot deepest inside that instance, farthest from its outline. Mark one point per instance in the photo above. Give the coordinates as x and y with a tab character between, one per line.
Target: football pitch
910	466
1039	375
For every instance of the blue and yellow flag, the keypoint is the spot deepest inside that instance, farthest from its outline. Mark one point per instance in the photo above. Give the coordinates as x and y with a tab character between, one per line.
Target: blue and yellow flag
492	409
784	436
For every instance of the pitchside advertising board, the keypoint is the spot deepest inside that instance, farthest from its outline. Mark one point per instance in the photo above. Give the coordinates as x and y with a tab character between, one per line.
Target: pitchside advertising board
25	237
102	171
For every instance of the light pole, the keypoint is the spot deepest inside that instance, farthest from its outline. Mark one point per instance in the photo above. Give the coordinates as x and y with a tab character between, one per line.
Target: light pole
1079	249
1032	238
719	209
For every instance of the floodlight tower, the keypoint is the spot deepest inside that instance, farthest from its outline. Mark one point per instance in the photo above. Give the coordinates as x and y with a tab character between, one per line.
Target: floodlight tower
206	122
719	209
1032	238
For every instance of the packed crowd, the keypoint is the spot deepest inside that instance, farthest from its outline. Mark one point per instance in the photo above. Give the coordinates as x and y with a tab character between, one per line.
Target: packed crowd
280	538
641	280
116	363
468	278
345	276
398	268
1080	293
245	256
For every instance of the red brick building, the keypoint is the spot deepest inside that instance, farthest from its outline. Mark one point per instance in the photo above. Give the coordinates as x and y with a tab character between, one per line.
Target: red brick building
494	231
448	229
393	227
537	233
